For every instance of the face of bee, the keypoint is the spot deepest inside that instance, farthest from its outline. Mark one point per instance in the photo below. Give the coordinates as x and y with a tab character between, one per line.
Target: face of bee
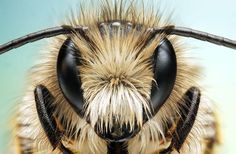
113	79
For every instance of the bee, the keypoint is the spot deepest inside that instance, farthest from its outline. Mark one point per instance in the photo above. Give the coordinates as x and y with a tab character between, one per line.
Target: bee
116	80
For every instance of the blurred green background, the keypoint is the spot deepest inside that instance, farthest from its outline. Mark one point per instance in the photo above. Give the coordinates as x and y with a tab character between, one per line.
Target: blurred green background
20	17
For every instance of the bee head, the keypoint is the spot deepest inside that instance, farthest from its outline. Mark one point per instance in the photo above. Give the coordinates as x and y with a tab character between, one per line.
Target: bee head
116	76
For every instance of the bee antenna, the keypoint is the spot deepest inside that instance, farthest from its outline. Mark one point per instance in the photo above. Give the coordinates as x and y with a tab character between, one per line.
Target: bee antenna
46	33
65	29
199	35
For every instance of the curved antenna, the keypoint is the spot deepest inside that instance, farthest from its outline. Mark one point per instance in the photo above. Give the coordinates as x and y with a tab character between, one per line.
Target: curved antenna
32	37
169	30
199	35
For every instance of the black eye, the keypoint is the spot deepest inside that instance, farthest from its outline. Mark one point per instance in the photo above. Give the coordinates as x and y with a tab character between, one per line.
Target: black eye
68	76
164	69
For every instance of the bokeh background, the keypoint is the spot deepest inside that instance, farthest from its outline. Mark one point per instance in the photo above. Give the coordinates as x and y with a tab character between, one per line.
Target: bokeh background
20	17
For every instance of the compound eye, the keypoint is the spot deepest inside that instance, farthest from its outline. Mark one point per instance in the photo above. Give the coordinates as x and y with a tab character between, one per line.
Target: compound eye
164	69
69	76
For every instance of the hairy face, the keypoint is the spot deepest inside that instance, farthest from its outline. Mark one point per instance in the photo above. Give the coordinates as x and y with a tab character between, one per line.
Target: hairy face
126	72
116	76
116	80
123	72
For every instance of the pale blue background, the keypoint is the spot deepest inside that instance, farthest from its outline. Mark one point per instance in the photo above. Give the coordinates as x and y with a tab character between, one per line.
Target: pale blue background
19	17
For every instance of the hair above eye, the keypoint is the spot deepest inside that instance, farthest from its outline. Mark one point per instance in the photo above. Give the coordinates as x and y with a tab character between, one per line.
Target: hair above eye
164	70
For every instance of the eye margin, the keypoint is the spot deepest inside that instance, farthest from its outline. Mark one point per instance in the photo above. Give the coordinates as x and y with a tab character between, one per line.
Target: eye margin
165	72
68	76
